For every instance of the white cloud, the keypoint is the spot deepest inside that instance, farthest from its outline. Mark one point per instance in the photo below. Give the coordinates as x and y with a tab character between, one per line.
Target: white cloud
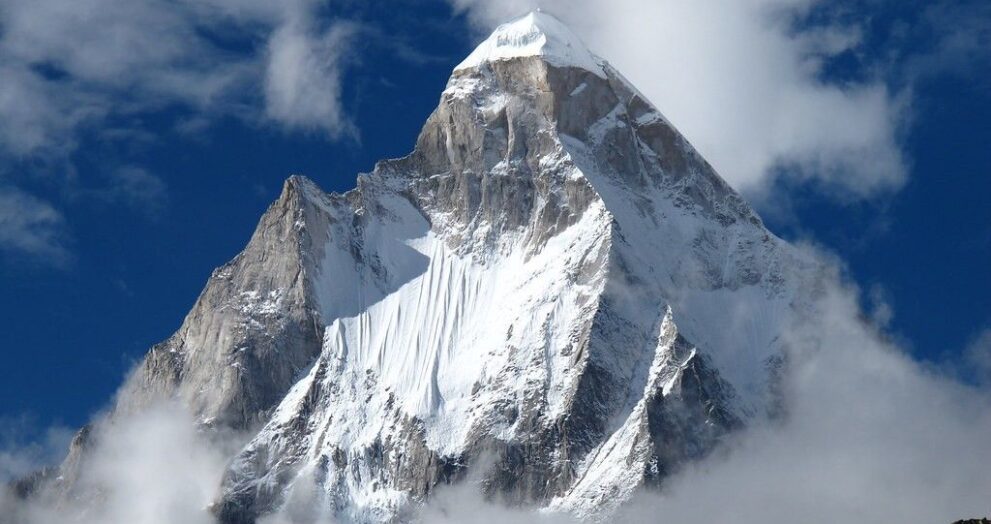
34	230
743	84
153	467
303	77
69	62
21	453
870	436
31	226
69	66
977	358
36	115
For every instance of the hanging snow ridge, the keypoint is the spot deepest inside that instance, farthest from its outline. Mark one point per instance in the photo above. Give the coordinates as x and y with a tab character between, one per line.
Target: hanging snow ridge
535	34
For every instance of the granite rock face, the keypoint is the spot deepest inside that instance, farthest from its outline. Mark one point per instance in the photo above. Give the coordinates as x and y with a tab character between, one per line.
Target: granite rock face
553	294
253	329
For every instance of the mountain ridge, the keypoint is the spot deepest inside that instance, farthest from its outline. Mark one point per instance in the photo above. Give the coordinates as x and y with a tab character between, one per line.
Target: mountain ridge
553	291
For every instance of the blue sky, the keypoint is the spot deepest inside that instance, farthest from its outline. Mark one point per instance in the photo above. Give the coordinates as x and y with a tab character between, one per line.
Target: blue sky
140	143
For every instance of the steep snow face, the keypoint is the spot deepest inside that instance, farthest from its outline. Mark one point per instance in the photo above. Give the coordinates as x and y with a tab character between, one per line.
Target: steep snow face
442	336
453	356
535	34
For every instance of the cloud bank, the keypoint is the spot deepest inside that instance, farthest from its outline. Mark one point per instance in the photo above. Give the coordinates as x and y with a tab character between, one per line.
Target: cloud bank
870	436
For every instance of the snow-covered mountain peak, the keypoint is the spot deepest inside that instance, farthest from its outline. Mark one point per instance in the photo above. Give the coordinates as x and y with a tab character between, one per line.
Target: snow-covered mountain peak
535	34
553	292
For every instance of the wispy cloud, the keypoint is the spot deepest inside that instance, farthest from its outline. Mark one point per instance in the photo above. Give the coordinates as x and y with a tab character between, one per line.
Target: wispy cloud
977	358
303	77
67	63
31	226
23	451
71	67
961	42
153	467
136	188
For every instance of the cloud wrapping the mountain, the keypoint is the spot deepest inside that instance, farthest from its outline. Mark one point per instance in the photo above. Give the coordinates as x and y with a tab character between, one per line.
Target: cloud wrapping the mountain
22	452
869	435
744	81
153	467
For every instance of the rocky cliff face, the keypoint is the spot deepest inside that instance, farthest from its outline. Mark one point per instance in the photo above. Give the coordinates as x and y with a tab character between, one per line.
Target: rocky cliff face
252	330
553	293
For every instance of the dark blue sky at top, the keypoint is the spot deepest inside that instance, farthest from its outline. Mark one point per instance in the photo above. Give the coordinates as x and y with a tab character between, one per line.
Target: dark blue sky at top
70	334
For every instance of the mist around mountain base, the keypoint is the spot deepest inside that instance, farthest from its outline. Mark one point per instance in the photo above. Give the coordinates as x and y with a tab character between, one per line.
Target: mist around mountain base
869	435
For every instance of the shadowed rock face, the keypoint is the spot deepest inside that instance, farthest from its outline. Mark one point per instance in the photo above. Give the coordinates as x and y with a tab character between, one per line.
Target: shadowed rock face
254	328
553	294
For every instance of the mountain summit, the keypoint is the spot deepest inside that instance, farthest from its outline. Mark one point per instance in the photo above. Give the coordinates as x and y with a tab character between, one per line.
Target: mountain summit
553	294
535	34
